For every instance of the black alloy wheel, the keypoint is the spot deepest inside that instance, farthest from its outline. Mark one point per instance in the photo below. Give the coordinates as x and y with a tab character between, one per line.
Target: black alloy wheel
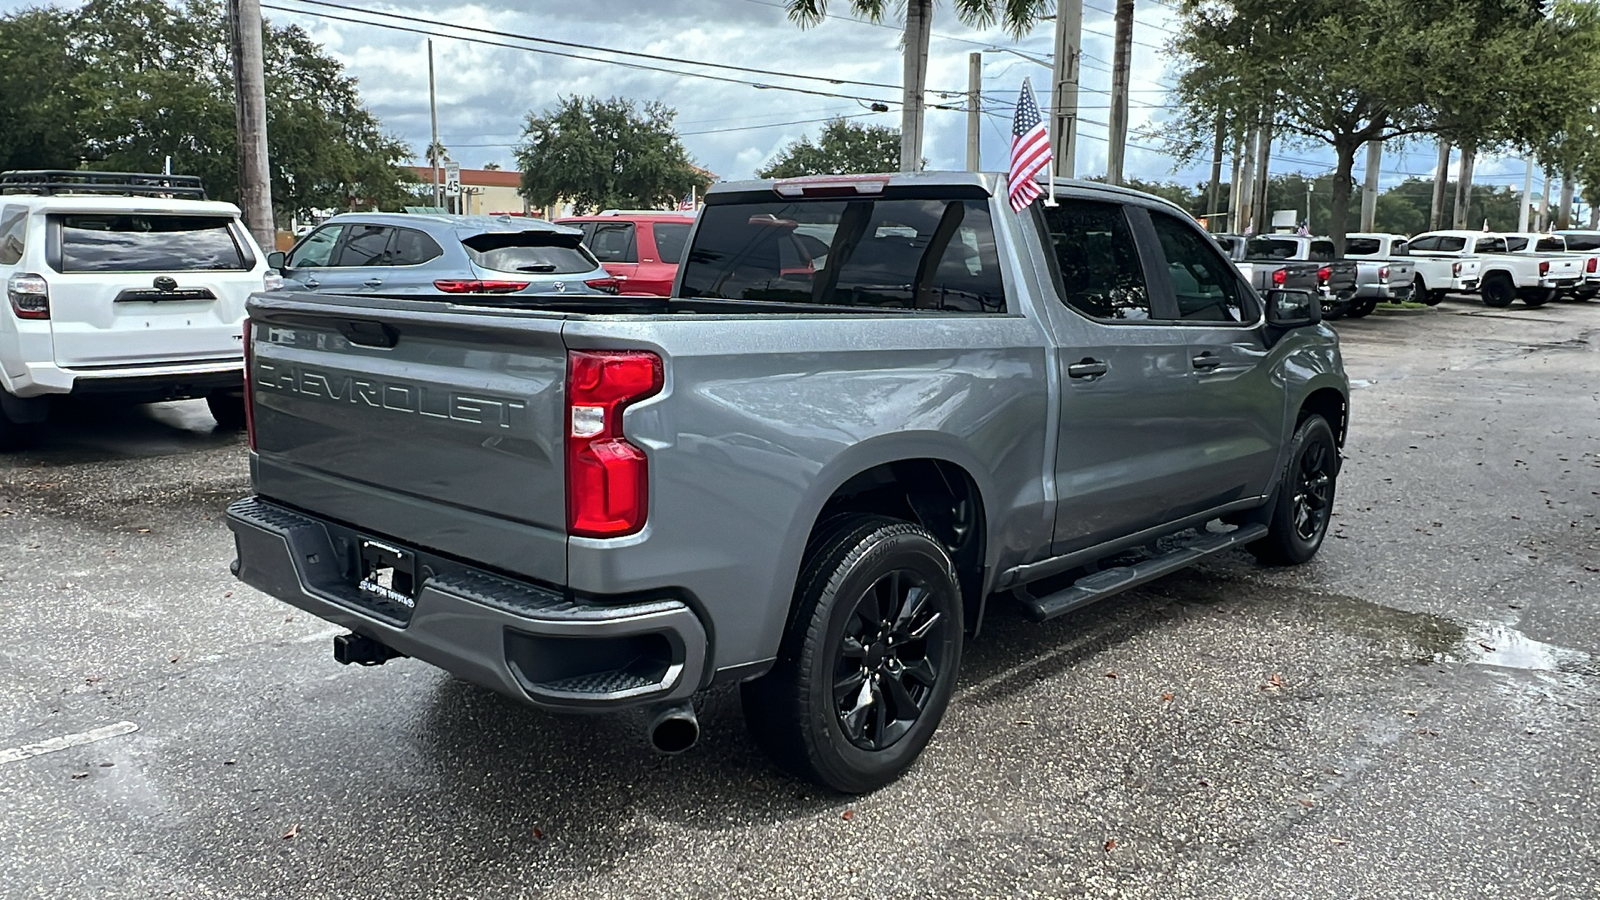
869	659
1303	505
888	661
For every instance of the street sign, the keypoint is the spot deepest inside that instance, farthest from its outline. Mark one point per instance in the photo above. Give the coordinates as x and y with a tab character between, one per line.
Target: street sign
452	179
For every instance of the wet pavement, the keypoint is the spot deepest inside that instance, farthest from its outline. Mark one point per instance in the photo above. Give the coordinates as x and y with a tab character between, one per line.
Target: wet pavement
1412	714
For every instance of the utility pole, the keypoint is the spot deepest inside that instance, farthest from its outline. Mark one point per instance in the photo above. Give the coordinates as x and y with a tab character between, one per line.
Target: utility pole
1235	187
1064	88
919	21
1463	208
1544	204
433	116
1214	190
1369	190
1121	62
250	105
1246	189
1441	181
1527	197
1263	216
974	110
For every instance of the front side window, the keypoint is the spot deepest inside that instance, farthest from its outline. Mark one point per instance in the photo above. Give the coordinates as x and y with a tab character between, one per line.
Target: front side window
317	248
1099	261
889	253
364	245
613	242
1205	285
670	240
148	243
13	234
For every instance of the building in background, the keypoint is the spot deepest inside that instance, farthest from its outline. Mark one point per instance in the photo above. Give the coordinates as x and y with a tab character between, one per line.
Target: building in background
485	192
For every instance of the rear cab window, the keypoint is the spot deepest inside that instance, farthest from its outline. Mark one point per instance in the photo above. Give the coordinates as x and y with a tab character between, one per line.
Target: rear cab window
13	234
1361	246
148	243
530	252
1271	248
893	252
1321	251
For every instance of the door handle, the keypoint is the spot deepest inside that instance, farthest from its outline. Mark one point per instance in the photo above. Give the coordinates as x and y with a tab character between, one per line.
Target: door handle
373	282
1207	360
1087	368
312	282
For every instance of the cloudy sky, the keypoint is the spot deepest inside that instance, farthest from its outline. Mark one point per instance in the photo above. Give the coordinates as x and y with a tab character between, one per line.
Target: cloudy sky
485	91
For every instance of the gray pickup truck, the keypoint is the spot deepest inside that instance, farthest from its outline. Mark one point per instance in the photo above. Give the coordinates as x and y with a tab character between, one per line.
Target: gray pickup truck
872	406
1307	259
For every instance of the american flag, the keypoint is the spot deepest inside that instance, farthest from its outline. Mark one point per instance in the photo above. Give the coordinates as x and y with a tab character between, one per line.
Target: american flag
1030	150
687	203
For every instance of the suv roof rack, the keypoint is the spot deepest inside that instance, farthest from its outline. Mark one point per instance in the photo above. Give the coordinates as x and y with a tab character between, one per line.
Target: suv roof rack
49	182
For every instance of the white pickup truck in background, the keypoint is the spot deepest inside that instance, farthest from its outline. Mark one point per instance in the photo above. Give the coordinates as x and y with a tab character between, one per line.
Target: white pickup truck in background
1585	244
1501	275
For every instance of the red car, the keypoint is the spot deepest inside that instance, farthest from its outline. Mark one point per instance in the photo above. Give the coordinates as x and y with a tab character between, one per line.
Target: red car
641	249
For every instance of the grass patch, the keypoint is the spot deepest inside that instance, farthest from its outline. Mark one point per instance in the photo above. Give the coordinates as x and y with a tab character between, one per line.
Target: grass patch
1403	304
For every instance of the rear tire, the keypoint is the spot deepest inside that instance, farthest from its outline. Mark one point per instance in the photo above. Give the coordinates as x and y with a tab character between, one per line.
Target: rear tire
1304	500
227	407
1498	291
14	435
1360	309
869	660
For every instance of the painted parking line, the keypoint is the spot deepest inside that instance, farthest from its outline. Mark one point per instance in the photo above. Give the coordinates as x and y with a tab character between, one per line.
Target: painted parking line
27	751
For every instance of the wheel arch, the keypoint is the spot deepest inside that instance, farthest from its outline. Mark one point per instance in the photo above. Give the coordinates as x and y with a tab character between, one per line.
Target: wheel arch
1330	403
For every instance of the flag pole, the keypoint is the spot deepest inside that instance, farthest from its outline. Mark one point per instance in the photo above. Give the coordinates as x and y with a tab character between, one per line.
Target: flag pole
1050	170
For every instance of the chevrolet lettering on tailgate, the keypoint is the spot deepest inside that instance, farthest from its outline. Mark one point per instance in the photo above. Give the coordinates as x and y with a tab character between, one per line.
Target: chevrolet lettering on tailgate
391	395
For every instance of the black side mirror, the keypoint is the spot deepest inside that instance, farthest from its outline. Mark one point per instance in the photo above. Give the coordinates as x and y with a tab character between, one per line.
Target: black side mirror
275	260
1292	309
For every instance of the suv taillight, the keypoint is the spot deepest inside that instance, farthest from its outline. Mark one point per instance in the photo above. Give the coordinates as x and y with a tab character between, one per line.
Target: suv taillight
1280	277
249	392
1544	267
1594	264
608	480
30	296
473	286
605	285
1383	273
1455	269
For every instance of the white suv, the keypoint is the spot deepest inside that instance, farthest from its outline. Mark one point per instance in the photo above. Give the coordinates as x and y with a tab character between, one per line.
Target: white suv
121	284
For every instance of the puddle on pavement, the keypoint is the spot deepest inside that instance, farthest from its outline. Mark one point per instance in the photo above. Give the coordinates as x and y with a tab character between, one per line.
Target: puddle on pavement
1436	639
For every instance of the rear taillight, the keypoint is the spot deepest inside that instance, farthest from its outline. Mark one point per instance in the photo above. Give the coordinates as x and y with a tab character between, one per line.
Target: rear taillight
1280	277
1544	267
1594	264
1383	273
249	392
608	481
30	296
605	285
473	286
1455	269
1323	274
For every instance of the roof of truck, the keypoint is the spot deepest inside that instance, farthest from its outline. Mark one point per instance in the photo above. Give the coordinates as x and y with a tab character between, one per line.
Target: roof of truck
989	182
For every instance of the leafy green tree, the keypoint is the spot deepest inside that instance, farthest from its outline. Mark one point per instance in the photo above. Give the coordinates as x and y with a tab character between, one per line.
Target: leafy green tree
1016	16
599	154
124	84
843	148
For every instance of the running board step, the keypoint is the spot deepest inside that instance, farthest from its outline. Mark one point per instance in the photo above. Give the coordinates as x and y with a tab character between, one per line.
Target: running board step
1106	582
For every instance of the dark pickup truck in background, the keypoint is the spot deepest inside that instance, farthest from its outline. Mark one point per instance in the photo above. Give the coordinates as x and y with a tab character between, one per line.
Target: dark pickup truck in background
873	405
1306	258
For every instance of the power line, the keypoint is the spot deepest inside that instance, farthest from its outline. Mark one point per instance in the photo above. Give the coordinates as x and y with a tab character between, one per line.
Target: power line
628	65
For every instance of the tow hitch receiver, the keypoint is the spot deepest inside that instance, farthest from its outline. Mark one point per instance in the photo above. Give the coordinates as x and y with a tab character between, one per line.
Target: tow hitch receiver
362	650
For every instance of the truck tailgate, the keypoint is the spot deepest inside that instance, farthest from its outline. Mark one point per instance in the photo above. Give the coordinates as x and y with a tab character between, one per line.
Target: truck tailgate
427	423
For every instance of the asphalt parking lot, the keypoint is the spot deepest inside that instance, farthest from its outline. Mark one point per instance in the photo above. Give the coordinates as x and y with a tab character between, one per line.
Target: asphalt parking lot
1413	714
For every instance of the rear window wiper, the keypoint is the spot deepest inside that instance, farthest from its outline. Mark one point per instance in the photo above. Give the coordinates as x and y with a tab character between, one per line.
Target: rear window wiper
539	267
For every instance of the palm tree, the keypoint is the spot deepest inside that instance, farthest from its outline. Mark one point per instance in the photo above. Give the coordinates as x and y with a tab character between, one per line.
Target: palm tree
1017	16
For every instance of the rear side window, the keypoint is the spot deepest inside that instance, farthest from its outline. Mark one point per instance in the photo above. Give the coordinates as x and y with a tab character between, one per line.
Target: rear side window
1099	262
531	253
364	245
891	254
670	238
1425	244
1361	247
1450	244
13	234
148	243
612	242
1484	245
412	248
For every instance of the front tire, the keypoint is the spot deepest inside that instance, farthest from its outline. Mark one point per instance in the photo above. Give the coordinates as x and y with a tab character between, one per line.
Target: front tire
869	661
1304	503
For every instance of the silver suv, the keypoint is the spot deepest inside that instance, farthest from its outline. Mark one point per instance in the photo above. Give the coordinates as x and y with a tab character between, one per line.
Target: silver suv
401	253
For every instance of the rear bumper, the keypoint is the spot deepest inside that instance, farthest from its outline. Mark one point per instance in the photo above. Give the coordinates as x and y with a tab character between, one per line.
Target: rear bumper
527	641
1374	291
161	381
